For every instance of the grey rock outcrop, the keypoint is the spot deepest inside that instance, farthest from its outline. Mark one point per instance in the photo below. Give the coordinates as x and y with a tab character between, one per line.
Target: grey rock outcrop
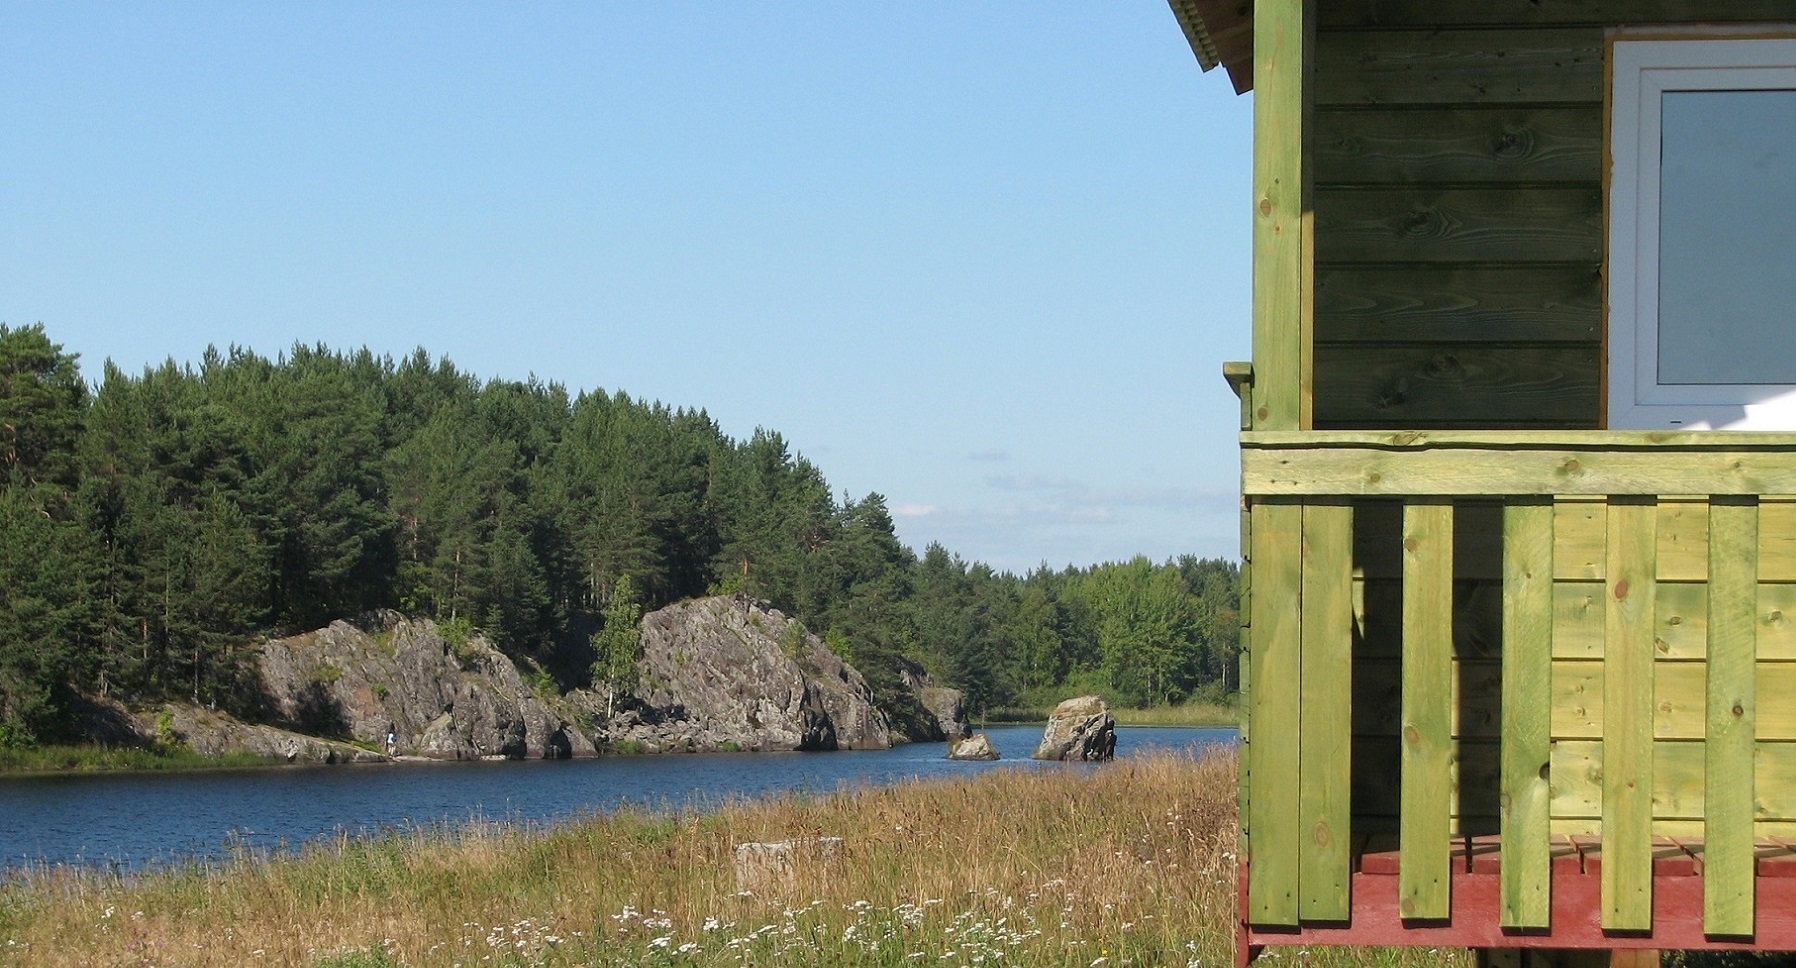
1079	729
731	673
975	747
211	733
445	701
940	713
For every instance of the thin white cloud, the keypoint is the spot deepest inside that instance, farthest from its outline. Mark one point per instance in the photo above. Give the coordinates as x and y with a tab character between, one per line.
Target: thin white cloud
990	454
1017	483
914	510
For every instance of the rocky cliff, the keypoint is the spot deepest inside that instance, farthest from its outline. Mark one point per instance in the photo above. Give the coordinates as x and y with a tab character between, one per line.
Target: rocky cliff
442	699
715	674
732	673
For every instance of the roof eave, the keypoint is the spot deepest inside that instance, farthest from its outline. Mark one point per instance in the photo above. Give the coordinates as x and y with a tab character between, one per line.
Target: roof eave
1221	34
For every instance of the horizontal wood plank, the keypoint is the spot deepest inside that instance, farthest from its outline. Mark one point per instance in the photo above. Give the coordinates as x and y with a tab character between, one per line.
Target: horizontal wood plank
1777	621
1435	225
1679	700
1580	543
1337	14
1578	620
1777	538
1580	549
1678	770
1360	385
1683	551
1546	66
1368	465
1445	304
1457	145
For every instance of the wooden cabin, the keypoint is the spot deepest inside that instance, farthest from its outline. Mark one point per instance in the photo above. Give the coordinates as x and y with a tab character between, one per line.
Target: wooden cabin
1518	472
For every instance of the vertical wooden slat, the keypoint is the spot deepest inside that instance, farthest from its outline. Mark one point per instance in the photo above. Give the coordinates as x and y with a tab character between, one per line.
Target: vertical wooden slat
1244	663
1423	883
1628	715
1732	718
1325	737
1275	668
1527	714
1281	275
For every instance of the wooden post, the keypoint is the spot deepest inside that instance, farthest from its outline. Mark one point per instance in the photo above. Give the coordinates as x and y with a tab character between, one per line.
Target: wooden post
1283	33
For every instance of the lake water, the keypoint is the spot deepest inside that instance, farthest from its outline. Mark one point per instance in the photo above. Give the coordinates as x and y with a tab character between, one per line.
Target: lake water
138	820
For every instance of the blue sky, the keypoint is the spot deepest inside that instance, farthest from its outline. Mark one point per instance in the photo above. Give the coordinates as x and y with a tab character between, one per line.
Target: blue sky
985	258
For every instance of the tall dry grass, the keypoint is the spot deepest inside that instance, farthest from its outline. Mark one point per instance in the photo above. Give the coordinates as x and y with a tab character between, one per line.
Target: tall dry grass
1129	864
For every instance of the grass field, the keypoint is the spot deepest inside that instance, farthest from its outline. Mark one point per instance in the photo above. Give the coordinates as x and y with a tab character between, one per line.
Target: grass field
1129	865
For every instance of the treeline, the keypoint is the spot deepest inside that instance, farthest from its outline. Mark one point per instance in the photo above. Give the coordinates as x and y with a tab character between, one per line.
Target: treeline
150	530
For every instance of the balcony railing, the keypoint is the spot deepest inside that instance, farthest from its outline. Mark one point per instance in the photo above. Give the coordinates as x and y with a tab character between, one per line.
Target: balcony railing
1628	596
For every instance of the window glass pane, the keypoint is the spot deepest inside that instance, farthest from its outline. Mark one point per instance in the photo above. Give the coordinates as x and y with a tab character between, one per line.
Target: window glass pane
1727	237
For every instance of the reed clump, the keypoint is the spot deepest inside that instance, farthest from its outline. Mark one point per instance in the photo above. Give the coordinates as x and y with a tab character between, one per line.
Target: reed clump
1130	864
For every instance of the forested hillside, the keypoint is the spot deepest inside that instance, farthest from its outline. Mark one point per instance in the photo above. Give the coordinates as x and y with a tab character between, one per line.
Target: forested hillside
153	526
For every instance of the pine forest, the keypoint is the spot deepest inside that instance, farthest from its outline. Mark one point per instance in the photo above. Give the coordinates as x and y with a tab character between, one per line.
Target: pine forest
154	526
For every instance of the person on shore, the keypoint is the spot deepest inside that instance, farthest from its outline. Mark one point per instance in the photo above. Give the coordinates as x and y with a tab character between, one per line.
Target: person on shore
392	741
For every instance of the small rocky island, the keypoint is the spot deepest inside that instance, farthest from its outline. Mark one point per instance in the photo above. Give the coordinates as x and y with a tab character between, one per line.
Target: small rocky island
720	673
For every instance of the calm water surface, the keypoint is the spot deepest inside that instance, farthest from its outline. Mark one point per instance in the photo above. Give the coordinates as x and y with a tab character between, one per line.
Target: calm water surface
133	821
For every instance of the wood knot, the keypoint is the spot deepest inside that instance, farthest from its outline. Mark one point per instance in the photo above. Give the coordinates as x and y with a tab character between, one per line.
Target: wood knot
1420	224
1739	710
1621	590
1514	144
1266	206
1323	837
1410	545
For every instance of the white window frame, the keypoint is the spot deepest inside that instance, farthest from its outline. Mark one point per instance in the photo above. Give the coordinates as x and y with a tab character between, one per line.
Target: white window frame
1641	71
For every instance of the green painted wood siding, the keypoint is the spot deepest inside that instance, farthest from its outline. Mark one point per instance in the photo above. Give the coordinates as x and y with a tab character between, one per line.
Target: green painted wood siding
1457	168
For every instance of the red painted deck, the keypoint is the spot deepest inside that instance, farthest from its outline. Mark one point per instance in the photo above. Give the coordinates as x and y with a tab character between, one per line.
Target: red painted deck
1577	903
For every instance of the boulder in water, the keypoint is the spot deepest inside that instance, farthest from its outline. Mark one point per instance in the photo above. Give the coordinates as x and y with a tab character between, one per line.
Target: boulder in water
975	747
1079	729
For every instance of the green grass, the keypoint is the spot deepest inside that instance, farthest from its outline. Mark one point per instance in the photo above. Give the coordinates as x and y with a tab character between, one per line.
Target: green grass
1130	865
97	759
